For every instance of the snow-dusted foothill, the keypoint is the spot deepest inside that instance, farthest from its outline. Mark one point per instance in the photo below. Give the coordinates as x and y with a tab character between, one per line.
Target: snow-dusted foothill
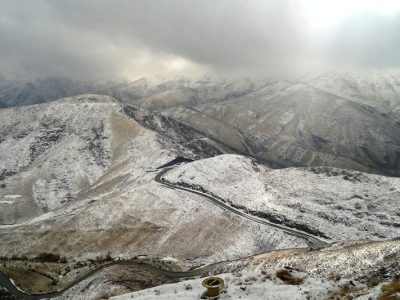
355	270
264	285
333	203
244	285
82	178
84	168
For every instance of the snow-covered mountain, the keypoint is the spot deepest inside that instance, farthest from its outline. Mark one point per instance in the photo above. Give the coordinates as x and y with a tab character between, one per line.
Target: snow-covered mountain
334	119
154	93
336	204
78	178
300	124
91	176
378	90
66	164
344	271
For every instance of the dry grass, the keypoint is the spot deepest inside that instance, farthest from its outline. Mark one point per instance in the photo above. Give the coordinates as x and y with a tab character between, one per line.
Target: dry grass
43	277
29	281
334	276
286	276
390	291
108	295
374	282
345	290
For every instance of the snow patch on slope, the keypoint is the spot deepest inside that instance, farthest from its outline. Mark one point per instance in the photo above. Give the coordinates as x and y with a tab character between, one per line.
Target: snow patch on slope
339	203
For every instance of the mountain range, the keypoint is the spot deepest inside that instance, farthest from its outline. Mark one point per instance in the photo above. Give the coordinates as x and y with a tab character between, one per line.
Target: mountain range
333	119
182	178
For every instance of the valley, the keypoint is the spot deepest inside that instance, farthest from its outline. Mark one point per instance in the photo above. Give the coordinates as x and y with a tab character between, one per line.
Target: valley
128	199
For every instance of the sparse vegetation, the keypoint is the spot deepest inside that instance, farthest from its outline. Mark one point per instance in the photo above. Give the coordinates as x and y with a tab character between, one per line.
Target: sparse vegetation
390	291
334	276
250	280
287	276
346	291
108	295
374	282
49	257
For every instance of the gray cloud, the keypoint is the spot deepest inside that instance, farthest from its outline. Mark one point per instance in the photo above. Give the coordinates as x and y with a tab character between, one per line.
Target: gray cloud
367	39
99	38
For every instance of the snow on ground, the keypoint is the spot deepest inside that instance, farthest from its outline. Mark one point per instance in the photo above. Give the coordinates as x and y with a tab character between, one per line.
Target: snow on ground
5	202
245	285
349	270
294	284
12	196
341	204
91	188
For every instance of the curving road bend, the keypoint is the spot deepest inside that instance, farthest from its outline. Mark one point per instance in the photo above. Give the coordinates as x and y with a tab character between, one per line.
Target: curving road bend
17	293
312	241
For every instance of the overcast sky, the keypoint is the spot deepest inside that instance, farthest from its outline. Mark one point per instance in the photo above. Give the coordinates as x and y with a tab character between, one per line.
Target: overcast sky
89	39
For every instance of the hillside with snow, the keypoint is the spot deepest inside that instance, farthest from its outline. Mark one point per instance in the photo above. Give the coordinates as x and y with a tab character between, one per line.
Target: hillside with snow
335	119
295	124
332	203
78	178
149	199
343	271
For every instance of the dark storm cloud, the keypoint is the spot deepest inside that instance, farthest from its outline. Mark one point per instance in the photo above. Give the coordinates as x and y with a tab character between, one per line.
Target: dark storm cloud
98	38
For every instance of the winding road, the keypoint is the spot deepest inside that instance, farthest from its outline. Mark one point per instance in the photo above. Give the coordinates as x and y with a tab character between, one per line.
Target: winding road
311	240
17	293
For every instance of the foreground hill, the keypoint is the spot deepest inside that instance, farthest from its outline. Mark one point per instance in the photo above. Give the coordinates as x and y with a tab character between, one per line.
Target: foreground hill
344	271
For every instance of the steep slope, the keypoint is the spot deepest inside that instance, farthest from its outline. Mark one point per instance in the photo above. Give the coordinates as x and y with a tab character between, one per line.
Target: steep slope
67	146
78	180
299	125
170	97
327	202
210	127
381	91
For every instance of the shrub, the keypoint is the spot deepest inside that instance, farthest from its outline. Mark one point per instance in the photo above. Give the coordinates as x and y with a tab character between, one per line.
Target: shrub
346	291
390	290
108	256
374	282
49	257
286	276
334	276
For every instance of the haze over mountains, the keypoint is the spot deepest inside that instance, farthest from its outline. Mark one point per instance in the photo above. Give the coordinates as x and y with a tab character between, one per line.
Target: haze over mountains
147	145
333	119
